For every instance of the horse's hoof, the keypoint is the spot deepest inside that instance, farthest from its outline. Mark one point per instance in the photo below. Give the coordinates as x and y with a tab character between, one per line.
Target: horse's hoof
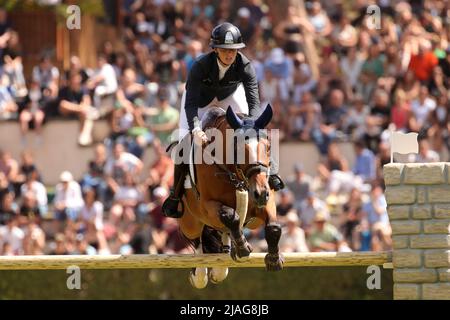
240	253
217	275
274	261
198	277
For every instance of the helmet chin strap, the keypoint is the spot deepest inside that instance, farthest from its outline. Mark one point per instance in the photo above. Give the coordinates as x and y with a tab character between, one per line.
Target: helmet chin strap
220	60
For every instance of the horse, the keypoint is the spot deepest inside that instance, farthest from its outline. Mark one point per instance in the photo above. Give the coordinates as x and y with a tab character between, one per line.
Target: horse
210	220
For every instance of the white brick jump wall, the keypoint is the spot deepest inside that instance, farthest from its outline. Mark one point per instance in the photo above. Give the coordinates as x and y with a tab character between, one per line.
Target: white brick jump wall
418	198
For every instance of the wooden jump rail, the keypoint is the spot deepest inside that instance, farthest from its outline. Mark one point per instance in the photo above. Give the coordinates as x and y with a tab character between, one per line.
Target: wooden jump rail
172	261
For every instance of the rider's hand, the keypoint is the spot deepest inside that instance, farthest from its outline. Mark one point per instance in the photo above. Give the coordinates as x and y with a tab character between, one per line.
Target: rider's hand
200	137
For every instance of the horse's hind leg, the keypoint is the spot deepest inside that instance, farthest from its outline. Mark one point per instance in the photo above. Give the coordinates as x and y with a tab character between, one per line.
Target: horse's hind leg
192	228
214	241
198	277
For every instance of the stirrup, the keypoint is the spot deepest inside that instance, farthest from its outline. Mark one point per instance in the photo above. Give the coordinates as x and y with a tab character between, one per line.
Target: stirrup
170	208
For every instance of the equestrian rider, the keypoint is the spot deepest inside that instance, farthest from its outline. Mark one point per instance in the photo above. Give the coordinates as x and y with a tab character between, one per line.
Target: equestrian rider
224	77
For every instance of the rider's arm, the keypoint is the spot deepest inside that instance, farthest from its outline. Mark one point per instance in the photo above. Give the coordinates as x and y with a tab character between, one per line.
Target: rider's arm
192	101
251	90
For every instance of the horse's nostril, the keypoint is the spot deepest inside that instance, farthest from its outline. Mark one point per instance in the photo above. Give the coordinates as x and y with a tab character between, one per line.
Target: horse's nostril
255	193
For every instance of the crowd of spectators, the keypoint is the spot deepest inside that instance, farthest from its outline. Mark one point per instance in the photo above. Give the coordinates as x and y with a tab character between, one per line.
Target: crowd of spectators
367	81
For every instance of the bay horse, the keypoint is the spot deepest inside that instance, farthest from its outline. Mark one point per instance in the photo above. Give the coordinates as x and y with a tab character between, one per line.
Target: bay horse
210	220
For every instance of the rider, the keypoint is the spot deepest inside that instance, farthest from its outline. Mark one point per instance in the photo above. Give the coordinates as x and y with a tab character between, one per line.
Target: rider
224	77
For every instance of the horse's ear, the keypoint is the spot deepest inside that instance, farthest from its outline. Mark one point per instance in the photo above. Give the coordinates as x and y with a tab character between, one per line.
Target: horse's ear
265	117
233	119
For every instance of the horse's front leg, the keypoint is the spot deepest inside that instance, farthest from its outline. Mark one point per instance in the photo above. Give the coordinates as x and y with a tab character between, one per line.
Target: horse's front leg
274	259
227	220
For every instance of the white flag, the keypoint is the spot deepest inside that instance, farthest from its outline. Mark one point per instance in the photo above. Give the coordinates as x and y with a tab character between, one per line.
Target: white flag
404	143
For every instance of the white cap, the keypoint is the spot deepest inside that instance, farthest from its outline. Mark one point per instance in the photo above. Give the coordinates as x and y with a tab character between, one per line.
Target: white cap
292	216
277	55
244	12
66	176
160	192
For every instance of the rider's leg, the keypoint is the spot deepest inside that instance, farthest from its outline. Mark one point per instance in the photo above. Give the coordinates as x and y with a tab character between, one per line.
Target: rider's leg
170	205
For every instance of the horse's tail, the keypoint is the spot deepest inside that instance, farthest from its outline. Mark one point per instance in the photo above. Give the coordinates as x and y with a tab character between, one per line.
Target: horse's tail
211	240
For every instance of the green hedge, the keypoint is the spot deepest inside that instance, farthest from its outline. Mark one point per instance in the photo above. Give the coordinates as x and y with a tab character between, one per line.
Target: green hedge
252	283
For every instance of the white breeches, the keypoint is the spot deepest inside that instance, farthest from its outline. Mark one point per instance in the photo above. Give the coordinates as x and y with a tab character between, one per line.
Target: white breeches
237	101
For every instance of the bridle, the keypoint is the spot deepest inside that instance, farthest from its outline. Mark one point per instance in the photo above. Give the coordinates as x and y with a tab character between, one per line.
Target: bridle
240	177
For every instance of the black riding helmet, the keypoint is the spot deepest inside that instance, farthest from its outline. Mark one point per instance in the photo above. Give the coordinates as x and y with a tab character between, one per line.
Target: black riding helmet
226	36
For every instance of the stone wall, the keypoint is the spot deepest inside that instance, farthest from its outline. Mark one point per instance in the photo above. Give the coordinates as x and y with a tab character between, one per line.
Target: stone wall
418	197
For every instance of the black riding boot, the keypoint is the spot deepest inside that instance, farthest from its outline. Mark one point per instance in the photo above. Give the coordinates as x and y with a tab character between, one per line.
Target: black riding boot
170	206
275	182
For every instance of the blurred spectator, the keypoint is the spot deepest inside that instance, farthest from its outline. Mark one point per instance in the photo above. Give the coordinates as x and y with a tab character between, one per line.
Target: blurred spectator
376	212
324	236
355	121
11	237
371	70
161	171
285	203
59	246
281	68
194	50
334	161
351	65
305	118
378	120
300	184
82	246
75	100
68	199
423	63
364	163
292	236
95	177
401	112
47	76
333	115
318	21
103	82
7	104
309	209
163	118
302	78
32	114
13	67
126	199
119	164
421	107
425	154
352	215
8	209
75	67
249	30
34	238
38	191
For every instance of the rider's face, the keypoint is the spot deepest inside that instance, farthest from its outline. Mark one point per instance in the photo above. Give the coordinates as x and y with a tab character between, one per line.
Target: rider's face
226	56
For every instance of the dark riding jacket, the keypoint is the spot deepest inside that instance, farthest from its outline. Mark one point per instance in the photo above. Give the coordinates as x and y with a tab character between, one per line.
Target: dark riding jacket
203	85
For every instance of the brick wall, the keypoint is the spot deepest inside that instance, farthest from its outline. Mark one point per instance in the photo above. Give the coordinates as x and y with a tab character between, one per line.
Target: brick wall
418	197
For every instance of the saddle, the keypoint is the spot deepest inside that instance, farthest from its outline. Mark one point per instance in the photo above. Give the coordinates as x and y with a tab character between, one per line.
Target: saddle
208	120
